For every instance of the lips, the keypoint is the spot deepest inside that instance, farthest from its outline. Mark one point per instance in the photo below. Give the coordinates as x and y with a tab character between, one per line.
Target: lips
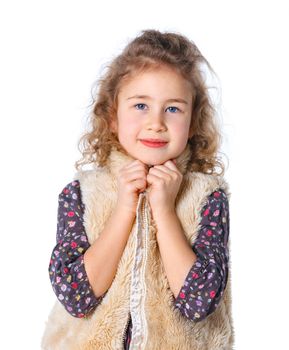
154	142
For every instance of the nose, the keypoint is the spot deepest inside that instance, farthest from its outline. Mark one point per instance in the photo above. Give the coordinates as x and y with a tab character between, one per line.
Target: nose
155	121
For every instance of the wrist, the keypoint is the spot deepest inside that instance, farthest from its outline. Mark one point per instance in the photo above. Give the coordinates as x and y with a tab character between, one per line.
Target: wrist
160	215
124	212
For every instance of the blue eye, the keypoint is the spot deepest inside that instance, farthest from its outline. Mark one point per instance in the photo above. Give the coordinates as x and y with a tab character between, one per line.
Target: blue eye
141	105
175	108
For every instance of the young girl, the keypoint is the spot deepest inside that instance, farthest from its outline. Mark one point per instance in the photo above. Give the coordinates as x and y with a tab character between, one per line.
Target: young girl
142	253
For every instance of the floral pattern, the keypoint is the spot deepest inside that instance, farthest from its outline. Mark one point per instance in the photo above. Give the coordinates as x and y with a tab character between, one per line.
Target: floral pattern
202	289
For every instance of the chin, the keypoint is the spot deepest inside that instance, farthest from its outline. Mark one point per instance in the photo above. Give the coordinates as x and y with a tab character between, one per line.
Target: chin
154	162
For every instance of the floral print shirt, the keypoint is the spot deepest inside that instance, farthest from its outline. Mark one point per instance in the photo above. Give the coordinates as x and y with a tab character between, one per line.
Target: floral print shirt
202	289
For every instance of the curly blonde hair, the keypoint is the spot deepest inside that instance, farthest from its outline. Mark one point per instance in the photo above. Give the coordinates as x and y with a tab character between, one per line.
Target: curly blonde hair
149	50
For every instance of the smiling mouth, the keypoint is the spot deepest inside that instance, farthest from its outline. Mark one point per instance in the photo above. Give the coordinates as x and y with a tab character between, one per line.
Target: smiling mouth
153	143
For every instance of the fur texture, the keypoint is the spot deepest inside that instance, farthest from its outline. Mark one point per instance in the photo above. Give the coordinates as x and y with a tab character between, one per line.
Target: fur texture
165	328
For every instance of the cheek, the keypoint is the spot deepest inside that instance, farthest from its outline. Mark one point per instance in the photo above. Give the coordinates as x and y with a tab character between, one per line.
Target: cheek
128	129
181	128
129	124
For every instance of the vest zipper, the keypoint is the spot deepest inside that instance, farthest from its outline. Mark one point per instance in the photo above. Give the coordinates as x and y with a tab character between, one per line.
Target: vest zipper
146	232
125	330
139	331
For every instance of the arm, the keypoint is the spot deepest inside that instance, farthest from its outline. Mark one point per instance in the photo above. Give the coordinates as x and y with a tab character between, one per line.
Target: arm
66	269
206	280
205	284
176	252
107	250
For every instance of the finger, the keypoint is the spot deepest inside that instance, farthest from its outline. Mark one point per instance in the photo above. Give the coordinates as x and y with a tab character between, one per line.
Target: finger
168	167
136	169
140	184
160	172
151	178
137	164
134	175
132	163
155	180
171	165
162	168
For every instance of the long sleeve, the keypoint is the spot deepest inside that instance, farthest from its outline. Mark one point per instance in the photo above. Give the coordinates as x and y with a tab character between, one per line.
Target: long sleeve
206	281
66	269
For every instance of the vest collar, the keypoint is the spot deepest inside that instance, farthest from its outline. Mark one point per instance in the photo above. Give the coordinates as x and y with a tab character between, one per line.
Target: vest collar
117	159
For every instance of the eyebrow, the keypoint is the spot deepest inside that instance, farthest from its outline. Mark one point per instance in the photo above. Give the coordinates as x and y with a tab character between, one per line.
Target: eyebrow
180	100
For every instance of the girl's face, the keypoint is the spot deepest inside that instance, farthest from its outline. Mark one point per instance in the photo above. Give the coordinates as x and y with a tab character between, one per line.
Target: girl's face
156	104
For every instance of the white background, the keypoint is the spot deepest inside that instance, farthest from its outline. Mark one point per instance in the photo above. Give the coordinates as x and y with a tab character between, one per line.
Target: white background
51	54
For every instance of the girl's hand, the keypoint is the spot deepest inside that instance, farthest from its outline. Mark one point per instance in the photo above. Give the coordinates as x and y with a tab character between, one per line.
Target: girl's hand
131	181
165	181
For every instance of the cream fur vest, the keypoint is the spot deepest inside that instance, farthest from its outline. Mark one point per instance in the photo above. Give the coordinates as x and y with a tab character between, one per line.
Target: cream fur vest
140	286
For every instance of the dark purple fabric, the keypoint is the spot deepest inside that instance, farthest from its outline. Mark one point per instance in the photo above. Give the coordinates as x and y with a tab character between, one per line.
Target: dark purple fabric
202	289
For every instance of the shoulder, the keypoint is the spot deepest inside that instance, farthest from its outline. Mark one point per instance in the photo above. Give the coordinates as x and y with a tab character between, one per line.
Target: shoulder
91	178
218	196
71	196
216	208
207	184
90	174
96	183
81	180
217	199
70	190
71	193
